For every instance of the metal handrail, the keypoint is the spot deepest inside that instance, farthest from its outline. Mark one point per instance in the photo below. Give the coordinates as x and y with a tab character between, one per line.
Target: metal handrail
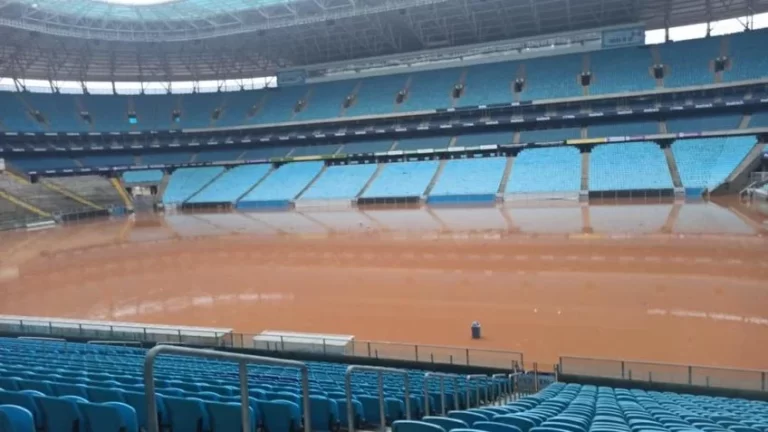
442	377
381	371
477	390
501	389
242	360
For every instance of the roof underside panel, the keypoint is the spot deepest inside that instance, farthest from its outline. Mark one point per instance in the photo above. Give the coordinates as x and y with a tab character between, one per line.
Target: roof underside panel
218	39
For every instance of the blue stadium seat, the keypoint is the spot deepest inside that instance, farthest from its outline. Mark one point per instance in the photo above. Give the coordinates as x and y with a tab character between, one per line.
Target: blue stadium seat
620	71
704	123
746	53
227	416
79	390
218	155
324	413
491	426
431	89
62	414
103	395
549	135
688	63
187	414
367	147
469	179
415	426
636	128
280	415
109	417
552	77
231	185
357	407
377	95
27	402
446	423
185	182
523	423
138	402
16	419
371	410
468	417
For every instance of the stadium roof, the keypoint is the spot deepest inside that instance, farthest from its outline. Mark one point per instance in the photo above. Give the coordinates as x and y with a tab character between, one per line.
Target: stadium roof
99	40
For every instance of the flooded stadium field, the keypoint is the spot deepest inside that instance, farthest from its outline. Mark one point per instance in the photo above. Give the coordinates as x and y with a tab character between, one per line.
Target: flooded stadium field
660	282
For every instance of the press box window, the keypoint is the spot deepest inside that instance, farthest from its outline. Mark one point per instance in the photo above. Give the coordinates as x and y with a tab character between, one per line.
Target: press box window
132	119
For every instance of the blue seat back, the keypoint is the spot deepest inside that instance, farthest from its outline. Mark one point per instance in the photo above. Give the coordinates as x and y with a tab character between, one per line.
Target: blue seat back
62	414
138	402
357	408
468	417
324	413
9	384
371	410
43	387
415	426
16	419
395	409
446	423
280	415
187	414
227	416
102	395
78	390
109	417
488	426
25	401
523	423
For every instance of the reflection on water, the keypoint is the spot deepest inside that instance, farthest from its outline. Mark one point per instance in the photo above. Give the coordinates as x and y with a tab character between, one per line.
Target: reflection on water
694	218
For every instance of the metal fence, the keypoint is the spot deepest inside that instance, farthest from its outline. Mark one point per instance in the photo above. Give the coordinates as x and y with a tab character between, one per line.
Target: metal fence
499	359
705	376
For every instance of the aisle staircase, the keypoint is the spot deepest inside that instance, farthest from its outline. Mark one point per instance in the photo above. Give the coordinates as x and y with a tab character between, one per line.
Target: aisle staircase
371	180
435	178
505	177
121	191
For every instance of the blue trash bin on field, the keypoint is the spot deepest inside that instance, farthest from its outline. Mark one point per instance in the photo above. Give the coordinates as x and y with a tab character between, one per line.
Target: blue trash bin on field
476	330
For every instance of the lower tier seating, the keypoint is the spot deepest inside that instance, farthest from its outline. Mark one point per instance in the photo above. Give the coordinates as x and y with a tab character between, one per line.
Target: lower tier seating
706	163
38	195
402	179
184	182
284	184
556	169
231	185
143	176
629	166
340	182
480	176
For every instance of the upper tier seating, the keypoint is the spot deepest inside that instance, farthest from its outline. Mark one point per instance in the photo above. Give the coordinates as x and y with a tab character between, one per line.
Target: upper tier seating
620	71
498	138
431	89
284	183
107	160
759	119
688	63
279	105
340	182
367	147
480	176
704	123
552	77
747	54
402	179
186	181
166	158
39	196
231	185
549	135
218	155
635	128
266	153
556	169
377	95
629	166
326	100
190	391
142	176
43	163
489	84
323	149
96	189
706	163
423	143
